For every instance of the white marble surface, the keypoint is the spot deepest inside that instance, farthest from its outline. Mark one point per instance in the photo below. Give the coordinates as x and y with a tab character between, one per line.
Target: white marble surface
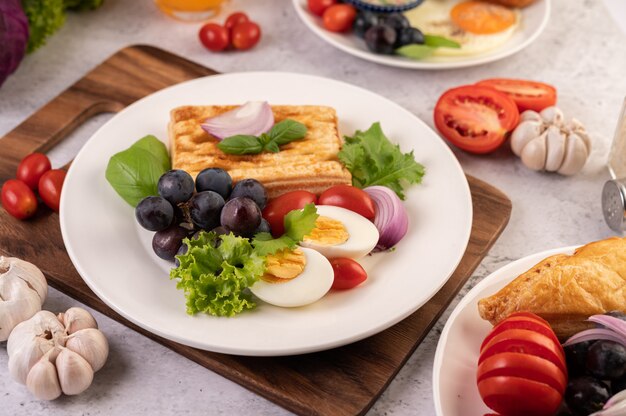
581	52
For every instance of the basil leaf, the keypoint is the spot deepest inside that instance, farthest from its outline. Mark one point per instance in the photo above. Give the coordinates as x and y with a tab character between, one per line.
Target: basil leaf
241	144
440	42
156	148
272	147
287	131
415	51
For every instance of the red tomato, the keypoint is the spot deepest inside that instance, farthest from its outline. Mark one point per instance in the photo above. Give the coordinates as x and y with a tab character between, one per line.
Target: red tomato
50	186
522	322
475	118
514	396
339	17
348	273
234	19
214	37
528	95
246	35
531	316
351	198
318	7
18	199
276	209
31	168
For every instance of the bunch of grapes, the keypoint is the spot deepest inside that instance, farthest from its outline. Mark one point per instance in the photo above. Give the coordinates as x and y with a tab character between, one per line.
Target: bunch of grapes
184	208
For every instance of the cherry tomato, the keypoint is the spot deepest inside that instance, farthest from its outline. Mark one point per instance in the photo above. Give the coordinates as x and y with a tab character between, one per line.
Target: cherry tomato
475	118
351	198
528	95
339	17
318	7
31	168
234	19
522	322
514	396
348	273
214	37
276	209
50	186
246	35
18	199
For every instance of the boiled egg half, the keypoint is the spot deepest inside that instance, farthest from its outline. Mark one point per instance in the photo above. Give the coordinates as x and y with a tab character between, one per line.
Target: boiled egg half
294	278
340	232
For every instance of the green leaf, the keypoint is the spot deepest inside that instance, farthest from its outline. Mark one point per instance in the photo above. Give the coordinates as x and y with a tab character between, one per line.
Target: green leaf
157	148
287	131
264	244
241	145
300	222
440	42
415	51
272	147
45	17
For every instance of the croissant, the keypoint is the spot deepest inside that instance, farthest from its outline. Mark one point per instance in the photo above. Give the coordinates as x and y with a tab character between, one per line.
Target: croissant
566	289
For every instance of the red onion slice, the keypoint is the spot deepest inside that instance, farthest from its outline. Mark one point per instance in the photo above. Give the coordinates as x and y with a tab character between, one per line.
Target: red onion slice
391	219
610	322
253	118
596	334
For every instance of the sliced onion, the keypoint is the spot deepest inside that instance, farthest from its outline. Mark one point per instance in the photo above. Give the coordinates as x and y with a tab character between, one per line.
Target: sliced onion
253	118
596	334
391	219
610	322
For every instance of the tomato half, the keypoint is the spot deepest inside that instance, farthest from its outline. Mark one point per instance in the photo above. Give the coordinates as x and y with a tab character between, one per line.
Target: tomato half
522	322
318	7
276	209
528	95
514	396
339	17
50	186
348	273
31	168
18	199
349	197
475	118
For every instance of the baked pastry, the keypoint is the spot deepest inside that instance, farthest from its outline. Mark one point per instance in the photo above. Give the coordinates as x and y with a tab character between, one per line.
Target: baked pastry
565	290
513	3
310	164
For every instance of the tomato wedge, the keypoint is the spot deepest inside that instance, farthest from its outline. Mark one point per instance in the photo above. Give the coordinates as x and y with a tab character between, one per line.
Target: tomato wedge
475	118
514	396
522	322
528	95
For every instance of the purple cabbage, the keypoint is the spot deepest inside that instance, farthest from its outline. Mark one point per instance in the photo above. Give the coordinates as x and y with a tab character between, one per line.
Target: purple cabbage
13	37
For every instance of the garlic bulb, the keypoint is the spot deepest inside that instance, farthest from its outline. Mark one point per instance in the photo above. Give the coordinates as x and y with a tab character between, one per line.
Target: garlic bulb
23	290
57	354
544	141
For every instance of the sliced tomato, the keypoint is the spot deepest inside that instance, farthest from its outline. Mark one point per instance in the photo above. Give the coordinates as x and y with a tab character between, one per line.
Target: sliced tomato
514	396
531	316
475	118
528	95
522	322
525	342
525	366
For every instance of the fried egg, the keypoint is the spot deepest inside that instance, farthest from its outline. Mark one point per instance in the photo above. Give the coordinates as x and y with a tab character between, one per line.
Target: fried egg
477	26
340	232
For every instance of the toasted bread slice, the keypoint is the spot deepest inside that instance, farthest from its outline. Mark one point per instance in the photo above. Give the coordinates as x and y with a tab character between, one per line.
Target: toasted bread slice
310	163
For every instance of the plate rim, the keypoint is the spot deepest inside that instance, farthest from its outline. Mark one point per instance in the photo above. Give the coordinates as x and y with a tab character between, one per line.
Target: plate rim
63	216
415	64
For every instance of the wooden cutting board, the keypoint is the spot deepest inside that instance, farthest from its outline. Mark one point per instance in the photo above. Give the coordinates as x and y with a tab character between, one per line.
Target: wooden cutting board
342	381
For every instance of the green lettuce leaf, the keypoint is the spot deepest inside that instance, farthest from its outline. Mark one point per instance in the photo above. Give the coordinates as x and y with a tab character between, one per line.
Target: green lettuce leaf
264	244
298	223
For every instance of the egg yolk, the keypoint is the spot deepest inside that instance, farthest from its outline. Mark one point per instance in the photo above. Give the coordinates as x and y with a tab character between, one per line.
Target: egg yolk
482	18
283	266
328	232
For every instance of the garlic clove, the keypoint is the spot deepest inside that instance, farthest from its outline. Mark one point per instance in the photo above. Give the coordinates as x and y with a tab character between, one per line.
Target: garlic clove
530	115
75	373
42	380
524	133
90	344
555	144
575	155
23	359
534	153
76	319
552	115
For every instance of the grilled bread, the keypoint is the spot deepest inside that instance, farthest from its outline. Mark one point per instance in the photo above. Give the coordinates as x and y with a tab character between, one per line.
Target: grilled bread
566	290
310	164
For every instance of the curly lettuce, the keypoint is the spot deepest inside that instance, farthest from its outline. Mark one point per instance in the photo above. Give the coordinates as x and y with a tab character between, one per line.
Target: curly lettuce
44	17
215	273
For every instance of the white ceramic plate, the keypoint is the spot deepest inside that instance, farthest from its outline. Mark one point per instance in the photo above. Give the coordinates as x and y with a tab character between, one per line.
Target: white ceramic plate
456	359
113	254
534	20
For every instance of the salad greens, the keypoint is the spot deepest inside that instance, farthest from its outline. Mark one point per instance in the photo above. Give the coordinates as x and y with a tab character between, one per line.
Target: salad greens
282	133
134	173
373	160
431	42
298	223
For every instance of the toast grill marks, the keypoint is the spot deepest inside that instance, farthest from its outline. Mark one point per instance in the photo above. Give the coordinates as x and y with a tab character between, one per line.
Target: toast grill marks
310	163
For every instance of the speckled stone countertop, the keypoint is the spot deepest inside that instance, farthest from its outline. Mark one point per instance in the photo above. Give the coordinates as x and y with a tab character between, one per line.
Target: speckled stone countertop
581	52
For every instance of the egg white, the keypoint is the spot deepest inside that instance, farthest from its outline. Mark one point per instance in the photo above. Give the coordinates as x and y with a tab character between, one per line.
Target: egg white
363	234
309	286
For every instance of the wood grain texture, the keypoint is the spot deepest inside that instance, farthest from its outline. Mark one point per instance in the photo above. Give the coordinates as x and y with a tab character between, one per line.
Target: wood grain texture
341	381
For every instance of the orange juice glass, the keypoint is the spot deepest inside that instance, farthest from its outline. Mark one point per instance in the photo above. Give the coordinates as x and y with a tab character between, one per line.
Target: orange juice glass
190	10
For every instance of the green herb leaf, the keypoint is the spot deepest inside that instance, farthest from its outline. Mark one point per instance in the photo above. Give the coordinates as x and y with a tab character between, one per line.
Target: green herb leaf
287	131
264	244
415	51
373	160
272	147
301	222
135	172
241	145
440	42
